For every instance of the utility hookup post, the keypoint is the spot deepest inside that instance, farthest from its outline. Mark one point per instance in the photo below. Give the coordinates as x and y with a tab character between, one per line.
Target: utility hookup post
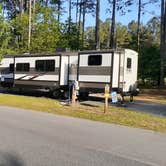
107	91
73	95
75	89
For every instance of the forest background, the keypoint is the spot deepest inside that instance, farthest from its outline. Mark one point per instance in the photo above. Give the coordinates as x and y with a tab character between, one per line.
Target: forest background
40	26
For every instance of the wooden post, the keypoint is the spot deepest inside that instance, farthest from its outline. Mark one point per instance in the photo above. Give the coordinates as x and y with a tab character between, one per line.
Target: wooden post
107	91
74	95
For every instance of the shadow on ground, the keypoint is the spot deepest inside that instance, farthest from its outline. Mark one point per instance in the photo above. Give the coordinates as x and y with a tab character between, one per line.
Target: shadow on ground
33	93
8	159
138	106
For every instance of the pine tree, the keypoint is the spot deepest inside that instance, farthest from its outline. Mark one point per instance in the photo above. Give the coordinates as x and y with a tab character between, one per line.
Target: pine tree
97	30
163	42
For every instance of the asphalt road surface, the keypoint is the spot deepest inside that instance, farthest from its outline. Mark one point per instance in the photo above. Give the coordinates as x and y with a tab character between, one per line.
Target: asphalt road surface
148	107
139	106
29	138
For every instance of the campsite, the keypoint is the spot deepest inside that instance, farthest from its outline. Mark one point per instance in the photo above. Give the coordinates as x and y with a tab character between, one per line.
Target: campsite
82	82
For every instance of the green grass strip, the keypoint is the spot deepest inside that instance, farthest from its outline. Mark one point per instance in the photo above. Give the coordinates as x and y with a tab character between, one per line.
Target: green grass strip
114	115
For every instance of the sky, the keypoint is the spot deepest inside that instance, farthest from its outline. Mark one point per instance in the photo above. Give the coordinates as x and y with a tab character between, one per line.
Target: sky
125	19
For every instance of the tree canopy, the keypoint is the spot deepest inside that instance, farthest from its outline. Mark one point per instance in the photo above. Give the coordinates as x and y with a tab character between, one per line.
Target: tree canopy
49	31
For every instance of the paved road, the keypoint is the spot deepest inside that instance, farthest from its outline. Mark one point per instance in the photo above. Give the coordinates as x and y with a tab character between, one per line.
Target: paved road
148	107
29	138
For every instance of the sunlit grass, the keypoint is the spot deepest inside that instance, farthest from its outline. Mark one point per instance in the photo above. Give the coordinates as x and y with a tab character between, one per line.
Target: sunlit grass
113	115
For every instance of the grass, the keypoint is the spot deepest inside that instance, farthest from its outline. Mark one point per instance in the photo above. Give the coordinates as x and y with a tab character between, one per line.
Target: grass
114	115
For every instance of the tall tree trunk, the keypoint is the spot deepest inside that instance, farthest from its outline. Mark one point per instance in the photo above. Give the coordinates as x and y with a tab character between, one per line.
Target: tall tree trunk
46	3
59	10
34	6
108	39
97	31
21	6
138	25
33	14
77	11
79	23
112	35
26	5
162	41
83	22
15	9
30	25
69	16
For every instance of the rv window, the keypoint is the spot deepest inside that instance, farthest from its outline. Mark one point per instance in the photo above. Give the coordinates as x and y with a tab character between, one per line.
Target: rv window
128	63
11	67
22	67
45	65
39	65
50	65
94	60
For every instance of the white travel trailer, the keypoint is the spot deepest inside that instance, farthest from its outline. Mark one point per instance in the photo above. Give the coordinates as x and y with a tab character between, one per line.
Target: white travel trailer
118	68
37	71
56	72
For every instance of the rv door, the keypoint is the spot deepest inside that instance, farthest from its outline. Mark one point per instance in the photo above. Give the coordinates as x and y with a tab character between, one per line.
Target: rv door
64	70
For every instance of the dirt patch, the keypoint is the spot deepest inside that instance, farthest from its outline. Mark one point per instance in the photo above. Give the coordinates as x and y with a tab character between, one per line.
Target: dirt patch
153	91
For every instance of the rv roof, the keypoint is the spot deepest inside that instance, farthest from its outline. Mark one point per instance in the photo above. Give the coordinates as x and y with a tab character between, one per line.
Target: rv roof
42	54
101	51
66	53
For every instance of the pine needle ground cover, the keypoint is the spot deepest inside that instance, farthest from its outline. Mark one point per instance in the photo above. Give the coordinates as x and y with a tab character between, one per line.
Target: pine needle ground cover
156	98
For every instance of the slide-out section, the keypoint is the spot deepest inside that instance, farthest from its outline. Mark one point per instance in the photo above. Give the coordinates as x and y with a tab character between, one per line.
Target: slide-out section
37	71
73	66
94	70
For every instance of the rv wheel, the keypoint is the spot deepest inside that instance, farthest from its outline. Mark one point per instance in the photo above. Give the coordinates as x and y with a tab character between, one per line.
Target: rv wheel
83	95
56	94
66	94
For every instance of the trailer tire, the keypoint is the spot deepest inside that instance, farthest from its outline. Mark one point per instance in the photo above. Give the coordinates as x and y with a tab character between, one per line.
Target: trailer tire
135	93
56	94
66	95
83	95
131	98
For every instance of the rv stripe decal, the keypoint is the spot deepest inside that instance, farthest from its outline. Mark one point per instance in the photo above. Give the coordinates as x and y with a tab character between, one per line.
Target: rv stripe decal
100	85
33	72
100	70
21	77
31	76
35	83
35	76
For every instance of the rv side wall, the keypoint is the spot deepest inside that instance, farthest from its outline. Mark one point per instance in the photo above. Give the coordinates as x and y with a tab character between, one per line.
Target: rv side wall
4	68
95	73
64	70
34	77
130	70
115	76
73	64
121	70
94	70
6	72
